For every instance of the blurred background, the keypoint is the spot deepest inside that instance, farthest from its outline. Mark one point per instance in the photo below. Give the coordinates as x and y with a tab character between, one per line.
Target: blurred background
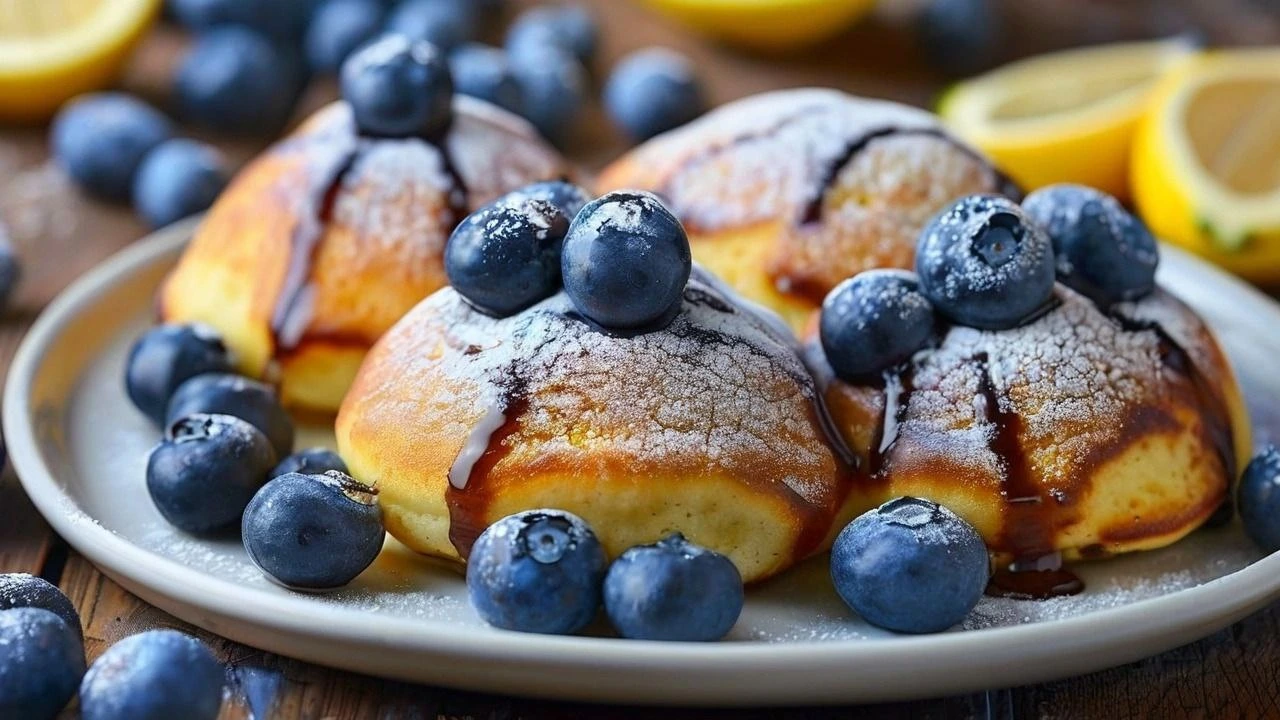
234	75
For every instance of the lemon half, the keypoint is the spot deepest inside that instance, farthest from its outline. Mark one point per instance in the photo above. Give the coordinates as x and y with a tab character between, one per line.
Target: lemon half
1064	117
52	50
1206	164
769	25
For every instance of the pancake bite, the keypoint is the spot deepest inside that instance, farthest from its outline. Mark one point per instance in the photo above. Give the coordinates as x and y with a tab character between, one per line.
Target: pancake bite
633	392
786	194
322	243
1065	420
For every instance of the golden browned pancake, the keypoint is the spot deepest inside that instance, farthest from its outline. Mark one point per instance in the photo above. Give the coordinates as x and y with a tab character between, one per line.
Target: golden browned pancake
1081	433
709	426
786	194
328	238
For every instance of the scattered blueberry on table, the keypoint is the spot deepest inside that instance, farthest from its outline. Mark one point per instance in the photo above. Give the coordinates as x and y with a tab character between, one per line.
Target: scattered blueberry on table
983	263
1258	499
874	321
154	675
482	71
205	471
652	91
538	571
626	260
443	23
228	394
235	80
910	566
312	461
41	663
553	88
506	256
313	532
570	28
673	590
1100	248
100	140
282	20
961	37
167	356
338	28
178	179
399	88
24	590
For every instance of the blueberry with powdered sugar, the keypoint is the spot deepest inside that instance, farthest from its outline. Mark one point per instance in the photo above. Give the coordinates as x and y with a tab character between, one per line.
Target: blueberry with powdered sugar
312	461
1101	249
673	590
313	532
398	87
983	263
566	196
41	663
910	566
506	256
626	261
873	321
538	571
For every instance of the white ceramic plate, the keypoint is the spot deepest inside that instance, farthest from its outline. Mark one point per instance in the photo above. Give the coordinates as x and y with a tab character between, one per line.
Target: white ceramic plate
80	449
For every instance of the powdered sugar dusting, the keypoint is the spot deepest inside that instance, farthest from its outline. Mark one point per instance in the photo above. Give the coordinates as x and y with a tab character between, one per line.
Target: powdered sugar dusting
713	390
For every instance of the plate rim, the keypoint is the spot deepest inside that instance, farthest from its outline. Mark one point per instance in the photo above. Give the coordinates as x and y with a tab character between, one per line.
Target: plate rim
1254	585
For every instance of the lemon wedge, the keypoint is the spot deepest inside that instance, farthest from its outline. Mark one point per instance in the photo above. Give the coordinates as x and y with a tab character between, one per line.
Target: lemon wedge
52	50
1206	162
1064	117
768	25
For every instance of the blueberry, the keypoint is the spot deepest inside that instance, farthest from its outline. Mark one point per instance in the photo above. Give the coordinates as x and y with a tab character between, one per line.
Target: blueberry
249	400
443	23
155	675
206	470
312	461
338	28
910	566
167	356
553	88
282	20
652	91
235	80
10	267
673	590
961	37
1258	499
567	27
567	197
398	88
626	260
100	140
874	321
537	571
983	263
178	179
506	256
1101	249
23	590
313	532
41	662
482	71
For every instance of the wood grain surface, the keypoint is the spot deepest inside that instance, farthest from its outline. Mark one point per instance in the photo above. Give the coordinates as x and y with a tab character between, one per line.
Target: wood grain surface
1232	674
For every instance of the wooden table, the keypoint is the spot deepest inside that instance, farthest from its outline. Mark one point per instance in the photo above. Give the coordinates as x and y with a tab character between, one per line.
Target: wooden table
1233	673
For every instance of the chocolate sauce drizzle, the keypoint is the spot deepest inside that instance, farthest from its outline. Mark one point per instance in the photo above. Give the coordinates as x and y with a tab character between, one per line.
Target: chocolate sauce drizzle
333	156
1036	571
468	504
812	208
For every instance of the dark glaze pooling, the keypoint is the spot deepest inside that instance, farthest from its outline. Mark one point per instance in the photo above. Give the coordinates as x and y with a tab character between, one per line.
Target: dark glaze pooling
330	157
1030	514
